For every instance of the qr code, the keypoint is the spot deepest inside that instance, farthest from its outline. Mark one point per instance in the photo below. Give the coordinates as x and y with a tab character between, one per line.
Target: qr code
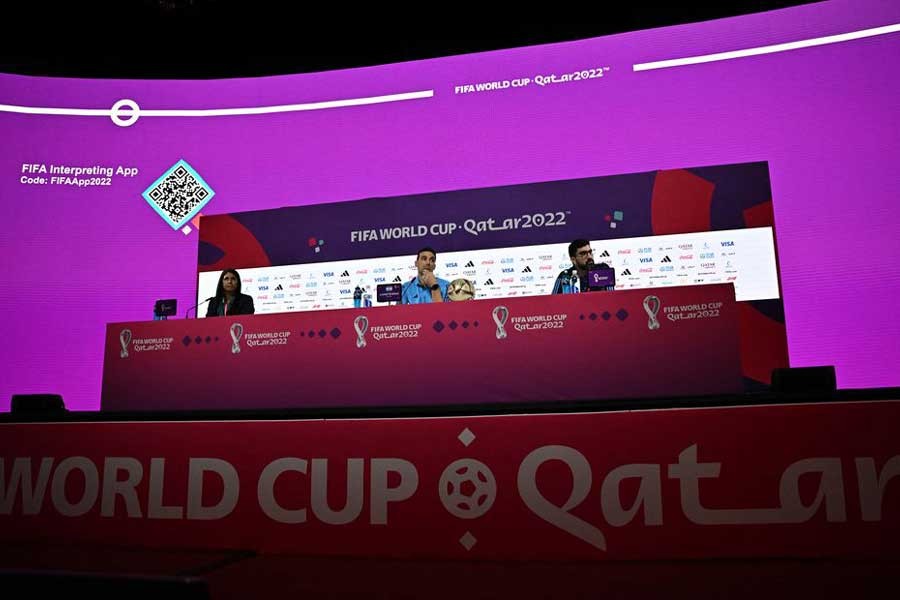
179	194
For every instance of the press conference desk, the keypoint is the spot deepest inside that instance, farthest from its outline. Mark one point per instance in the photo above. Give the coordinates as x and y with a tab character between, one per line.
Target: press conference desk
624	344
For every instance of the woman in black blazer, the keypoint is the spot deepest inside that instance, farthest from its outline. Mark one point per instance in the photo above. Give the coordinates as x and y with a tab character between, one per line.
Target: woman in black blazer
229	300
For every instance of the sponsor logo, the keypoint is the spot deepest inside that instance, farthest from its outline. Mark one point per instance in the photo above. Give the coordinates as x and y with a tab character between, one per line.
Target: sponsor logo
396	279
262	288
625	251
666	269
452	265
604	254
278	288
527	269
728	243
488	282
685	247
626	272
545	257
487	262
470	265
645	250
546	267
704	255
646	270
686	257
380	279
506	261
263	279
666	259
345	274
328	274
379	270
647	260
526	278
362	271
508	269
507	280
311	284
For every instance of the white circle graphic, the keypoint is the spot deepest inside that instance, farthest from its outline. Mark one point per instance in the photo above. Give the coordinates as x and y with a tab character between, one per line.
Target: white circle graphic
133	112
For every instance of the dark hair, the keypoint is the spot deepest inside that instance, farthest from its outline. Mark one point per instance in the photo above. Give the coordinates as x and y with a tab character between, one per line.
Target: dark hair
220	290
574	246
426	249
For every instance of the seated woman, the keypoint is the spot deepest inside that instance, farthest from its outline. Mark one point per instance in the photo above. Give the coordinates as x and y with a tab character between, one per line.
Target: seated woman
228	299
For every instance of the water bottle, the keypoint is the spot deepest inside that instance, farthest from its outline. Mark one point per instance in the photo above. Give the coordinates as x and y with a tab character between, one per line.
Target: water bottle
357	297
565	285
367	298
575	283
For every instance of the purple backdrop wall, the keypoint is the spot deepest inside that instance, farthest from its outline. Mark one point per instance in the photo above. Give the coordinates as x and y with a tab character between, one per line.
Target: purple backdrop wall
824	118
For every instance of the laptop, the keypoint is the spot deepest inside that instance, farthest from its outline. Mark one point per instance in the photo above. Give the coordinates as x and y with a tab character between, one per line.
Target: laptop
601	277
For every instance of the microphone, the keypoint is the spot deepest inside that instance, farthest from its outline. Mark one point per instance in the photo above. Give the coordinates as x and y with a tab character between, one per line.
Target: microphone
196	306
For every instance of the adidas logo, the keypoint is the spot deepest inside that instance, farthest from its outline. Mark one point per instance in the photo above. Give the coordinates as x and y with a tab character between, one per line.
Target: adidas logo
666	259
605	254
489	282
345	274
278	287
527	269
626	272
470	265
397	279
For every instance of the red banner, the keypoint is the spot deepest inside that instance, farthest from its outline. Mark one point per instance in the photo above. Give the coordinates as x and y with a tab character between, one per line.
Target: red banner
635	343
794	480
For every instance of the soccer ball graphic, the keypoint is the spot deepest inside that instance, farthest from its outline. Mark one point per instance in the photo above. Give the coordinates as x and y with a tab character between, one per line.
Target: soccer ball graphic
467	488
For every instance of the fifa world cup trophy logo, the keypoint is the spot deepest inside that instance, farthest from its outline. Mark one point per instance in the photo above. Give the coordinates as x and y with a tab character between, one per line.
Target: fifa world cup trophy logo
237	330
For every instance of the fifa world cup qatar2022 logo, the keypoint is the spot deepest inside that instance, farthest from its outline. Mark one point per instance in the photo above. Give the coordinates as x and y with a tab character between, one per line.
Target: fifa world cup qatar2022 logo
124	340
236	331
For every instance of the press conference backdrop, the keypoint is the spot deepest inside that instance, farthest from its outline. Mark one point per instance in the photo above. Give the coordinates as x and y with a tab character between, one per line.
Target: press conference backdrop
104	181
745	257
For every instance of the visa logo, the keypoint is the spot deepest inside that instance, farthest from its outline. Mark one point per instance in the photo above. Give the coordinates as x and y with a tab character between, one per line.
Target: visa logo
508	269
727	243
379	280
451	265
329	274
345	291
647	260
262	288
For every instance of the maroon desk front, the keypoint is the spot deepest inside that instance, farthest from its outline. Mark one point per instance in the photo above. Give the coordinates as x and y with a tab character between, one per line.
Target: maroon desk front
625	344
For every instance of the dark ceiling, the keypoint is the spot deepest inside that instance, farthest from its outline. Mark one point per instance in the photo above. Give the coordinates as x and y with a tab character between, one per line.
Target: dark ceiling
198	39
